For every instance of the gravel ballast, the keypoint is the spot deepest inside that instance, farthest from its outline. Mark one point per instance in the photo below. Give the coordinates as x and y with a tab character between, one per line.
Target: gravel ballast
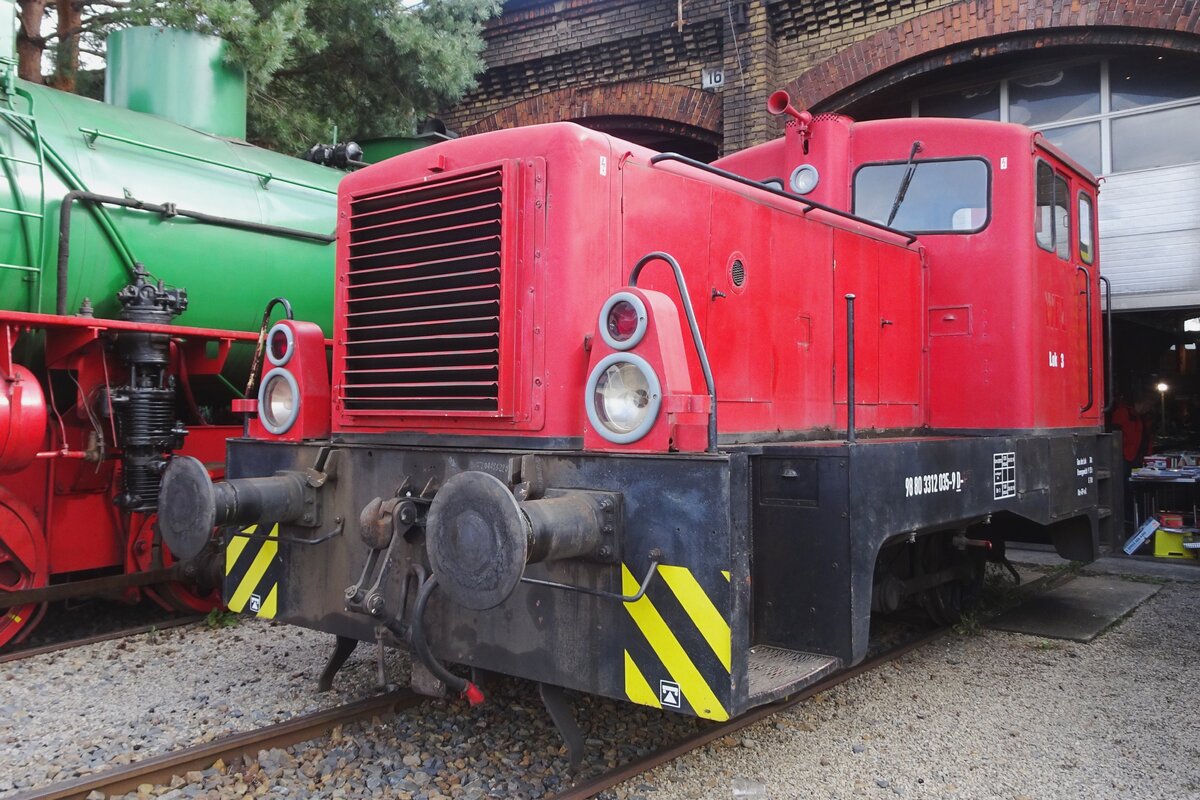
992	715
78	711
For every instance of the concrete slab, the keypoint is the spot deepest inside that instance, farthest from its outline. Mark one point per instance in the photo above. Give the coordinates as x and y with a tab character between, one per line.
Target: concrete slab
1170	569
1078	610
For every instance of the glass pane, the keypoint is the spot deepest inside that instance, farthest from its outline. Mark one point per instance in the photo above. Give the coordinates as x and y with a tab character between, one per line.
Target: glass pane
1081	142
1086	254
1054	95
885	108
979	102
1062	219
1043	223
1143	80
1156	139
942	196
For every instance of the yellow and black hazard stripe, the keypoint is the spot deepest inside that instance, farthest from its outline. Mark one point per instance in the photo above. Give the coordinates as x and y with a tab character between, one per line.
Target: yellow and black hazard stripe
252	568
677	654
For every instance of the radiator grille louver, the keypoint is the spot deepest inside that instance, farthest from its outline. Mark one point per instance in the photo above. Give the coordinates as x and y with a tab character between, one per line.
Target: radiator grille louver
422	315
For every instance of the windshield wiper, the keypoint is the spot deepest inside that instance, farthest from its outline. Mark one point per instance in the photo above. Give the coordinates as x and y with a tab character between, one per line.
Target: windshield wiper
908	176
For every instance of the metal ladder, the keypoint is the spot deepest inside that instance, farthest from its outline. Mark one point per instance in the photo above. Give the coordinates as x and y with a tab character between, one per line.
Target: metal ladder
34	222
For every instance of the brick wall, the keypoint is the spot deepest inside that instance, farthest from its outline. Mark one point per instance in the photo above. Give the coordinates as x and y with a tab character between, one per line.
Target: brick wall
578	58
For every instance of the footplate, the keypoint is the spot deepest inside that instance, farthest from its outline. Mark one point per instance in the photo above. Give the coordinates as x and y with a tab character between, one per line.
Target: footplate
775	672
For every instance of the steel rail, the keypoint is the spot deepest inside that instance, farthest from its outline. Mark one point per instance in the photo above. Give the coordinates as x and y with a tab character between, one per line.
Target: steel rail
67	644
607	780
159	770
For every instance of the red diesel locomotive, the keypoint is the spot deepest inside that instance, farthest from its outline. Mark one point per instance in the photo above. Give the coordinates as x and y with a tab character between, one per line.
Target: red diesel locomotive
621	422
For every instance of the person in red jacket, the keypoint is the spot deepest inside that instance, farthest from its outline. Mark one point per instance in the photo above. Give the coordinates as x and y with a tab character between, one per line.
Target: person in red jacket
1134	422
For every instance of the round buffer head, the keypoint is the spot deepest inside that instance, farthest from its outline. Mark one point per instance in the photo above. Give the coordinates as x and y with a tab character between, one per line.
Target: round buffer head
187	508
478	540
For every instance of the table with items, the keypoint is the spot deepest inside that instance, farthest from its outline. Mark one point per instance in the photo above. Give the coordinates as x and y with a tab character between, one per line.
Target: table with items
1167	506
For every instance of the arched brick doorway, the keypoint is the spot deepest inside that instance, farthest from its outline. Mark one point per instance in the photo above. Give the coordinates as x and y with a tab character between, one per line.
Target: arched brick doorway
656	115
978	30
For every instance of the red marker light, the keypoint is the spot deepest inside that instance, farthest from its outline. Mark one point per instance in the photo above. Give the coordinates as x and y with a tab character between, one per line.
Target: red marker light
279	345
622	321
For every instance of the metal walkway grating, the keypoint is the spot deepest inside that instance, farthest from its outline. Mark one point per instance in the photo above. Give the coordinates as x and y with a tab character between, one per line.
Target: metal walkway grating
775	672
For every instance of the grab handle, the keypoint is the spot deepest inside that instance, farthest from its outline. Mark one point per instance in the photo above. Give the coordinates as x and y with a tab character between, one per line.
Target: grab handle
1091	390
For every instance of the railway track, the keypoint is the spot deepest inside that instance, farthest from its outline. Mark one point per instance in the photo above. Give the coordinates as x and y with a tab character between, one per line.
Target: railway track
67	644
159	770
593	786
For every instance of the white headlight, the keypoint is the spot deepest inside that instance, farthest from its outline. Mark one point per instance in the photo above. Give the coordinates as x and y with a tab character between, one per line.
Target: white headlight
278	401
623	396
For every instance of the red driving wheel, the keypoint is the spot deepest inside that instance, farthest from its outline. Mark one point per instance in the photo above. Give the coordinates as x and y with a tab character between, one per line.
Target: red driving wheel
23	565
146	551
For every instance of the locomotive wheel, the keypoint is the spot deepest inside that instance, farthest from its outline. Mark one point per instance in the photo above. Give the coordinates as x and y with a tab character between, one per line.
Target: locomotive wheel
946	602
23	565
148	552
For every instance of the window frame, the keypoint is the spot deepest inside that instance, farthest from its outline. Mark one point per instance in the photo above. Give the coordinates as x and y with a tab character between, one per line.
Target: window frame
1037	205
1106	116
1055	177
1082	196
987	166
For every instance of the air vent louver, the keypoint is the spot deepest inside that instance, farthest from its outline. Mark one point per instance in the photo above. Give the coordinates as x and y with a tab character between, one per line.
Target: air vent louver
422	310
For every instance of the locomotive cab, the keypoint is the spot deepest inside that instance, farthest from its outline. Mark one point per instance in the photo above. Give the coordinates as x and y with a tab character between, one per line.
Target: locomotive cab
616	421
1008	225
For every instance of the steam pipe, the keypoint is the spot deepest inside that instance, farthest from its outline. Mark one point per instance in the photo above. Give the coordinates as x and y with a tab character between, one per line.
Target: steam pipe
166	210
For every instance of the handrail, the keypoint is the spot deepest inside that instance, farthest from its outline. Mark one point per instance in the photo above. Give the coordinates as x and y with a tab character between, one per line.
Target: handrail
92	134
1091	393
1108	348
850	434
696	340
691	162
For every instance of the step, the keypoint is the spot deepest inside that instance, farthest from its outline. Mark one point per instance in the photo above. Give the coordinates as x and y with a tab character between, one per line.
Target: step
1103	511
775	672
1103	474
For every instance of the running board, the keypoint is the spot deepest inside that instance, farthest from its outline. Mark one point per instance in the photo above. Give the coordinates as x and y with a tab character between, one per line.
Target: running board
775	672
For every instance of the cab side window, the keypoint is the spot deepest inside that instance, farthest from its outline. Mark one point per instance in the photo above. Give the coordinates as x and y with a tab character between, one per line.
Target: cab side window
1052	223
1062	218
1087	251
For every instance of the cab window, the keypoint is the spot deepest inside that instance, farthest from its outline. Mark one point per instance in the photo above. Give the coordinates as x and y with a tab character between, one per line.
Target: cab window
934	196
1087	252
1052	224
